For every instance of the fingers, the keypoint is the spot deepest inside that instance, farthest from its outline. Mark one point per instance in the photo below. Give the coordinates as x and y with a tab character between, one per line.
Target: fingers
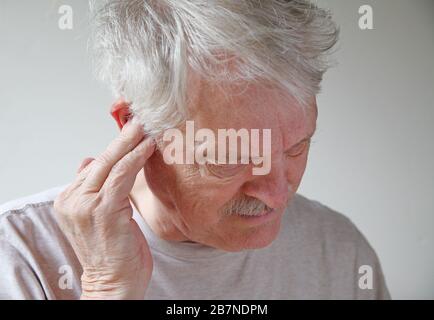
128	139
84	164
123	175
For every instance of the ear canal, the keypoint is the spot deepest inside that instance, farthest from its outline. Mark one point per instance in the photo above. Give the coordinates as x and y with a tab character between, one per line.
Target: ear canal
121	113
127	117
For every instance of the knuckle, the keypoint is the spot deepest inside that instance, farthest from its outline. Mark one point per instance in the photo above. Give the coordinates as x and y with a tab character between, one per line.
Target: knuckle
124	141
121	168
58	205
81	176
104	159
139	150
77	208
61	202
113	184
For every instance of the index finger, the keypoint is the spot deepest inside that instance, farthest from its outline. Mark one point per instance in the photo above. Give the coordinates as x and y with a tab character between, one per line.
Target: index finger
130	136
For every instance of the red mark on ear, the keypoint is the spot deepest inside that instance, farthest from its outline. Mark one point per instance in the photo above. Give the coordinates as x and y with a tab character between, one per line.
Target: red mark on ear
120	112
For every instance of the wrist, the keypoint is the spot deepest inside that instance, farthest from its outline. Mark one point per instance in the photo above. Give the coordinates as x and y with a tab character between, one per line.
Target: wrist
97	286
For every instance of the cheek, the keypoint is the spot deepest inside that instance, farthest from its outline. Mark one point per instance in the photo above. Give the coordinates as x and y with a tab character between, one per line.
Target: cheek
296	171
159	177
203	197
181	186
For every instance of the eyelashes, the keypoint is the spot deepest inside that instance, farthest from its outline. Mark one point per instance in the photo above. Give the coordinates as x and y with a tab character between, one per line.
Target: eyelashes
298	149
224	170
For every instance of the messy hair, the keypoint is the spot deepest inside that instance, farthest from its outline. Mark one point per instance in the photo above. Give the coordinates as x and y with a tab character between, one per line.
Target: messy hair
144	49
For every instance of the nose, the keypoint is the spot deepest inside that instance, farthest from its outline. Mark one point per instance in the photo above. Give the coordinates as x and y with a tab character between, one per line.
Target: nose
272	189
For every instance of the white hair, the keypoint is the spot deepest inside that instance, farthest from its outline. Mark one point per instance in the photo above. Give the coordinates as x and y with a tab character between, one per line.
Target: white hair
144	49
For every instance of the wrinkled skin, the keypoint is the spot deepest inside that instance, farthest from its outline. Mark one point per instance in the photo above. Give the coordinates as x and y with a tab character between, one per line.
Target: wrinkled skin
95	214
177	201
180	204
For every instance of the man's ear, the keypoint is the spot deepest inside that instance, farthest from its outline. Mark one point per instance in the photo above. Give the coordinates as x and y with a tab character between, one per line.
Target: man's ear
120	111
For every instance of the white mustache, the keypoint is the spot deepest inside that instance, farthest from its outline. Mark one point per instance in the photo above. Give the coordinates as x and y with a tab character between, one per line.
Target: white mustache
247	206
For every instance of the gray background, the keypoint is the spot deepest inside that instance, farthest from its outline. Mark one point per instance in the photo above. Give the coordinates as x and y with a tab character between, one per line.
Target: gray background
372	158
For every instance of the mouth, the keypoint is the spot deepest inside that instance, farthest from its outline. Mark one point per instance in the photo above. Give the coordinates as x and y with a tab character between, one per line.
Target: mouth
261	218
263	213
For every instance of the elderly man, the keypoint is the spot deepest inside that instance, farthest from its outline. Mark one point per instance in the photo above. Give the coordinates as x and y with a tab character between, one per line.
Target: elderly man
136	225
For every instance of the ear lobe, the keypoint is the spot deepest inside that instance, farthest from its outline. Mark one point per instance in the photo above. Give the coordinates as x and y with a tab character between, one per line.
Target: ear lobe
120	112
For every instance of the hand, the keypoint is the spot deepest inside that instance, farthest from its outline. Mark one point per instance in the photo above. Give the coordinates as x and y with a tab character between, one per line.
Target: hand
95	214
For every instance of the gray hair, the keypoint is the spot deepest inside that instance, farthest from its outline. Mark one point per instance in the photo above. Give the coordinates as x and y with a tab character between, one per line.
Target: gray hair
144	49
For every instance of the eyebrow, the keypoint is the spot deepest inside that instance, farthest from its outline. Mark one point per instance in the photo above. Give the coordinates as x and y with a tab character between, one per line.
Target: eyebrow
308	137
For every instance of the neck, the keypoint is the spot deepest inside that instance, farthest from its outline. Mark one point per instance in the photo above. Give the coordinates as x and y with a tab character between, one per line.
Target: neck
153	211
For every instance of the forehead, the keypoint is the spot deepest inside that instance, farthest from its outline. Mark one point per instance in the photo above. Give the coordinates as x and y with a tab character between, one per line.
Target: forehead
251	106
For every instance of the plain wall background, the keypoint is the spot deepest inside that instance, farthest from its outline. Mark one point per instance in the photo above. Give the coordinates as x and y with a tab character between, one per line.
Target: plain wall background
372	158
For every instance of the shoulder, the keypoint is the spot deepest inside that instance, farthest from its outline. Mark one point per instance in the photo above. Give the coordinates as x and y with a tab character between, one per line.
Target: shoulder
313	217
28	221
36	200
333	242
36	209
33	248
316	224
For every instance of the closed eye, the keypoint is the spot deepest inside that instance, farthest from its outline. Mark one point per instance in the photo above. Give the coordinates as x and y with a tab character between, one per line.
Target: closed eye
298	149
224	170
